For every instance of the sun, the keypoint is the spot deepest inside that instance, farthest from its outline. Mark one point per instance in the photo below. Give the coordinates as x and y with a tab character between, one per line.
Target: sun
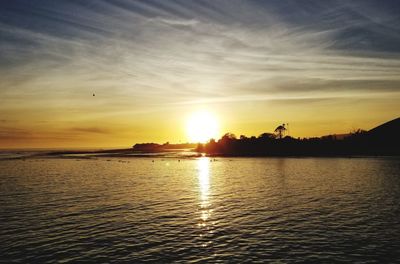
202	126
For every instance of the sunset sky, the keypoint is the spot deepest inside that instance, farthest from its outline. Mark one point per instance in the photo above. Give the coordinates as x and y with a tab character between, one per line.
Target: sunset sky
322	66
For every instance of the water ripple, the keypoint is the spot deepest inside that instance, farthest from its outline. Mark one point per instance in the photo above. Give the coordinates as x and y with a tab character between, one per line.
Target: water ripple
195	211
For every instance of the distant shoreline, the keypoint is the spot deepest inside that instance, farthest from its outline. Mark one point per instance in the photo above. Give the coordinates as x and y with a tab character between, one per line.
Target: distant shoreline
129	153
381	141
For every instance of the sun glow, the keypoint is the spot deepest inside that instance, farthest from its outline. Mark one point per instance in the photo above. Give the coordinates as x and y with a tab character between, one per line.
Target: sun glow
202	126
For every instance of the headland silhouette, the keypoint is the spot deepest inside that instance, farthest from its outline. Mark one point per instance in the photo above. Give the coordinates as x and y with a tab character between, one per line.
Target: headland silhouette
383	140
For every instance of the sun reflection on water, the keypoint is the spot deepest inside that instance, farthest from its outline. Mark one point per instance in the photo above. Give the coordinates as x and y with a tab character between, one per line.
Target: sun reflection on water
203	165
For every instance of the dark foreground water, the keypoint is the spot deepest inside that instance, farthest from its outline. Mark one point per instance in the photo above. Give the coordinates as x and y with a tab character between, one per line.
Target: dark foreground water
199	210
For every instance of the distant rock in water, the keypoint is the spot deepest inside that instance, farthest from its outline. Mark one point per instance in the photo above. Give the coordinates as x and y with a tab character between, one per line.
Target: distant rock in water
154	147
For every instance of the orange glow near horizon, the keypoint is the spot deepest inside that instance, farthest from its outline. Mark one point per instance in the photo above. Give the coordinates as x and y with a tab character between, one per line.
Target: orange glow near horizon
94	81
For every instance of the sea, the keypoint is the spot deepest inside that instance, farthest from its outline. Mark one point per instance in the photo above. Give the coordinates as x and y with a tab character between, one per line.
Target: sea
199	210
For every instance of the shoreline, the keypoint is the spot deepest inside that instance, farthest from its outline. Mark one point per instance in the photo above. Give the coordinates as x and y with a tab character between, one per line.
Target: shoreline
128	153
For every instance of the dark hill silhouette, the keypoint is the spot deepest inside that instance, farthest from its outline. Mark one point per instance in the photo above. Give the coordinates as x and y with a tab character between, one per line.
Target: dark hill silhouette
388	130
382	140
385	138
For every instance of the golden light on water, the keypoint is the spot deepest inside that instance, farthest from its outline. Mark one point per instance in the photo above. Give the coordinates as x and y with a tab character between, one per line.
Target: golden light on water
204	187
202	126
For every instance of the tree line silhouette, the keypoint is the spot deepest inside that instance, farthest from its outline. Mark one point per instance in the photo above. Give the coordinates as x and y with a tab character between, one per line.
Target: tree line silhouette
379	141
382	140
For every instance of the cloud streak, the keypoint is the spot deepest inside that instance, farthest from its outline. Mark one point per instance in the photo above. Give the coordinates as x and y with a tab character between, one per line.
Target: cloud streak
146	56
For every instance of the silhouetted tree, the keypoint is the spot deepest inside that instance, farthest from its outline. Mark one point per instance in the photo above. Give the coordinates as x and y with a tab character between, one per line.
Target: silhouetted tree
358	142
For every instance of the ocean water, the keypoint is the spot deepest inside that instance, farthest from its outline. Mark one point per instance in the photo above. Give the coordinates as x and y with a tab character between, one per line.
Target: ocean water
134	210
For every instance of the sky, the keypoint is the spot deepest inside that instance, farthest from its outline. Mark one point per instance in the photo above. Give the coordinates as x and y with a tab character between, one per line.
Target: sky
324	67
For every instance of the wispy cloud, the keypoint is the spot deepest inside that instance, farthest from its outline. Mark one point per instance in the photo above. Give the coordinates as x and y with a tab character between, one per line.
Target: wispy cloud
95	130
145	56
